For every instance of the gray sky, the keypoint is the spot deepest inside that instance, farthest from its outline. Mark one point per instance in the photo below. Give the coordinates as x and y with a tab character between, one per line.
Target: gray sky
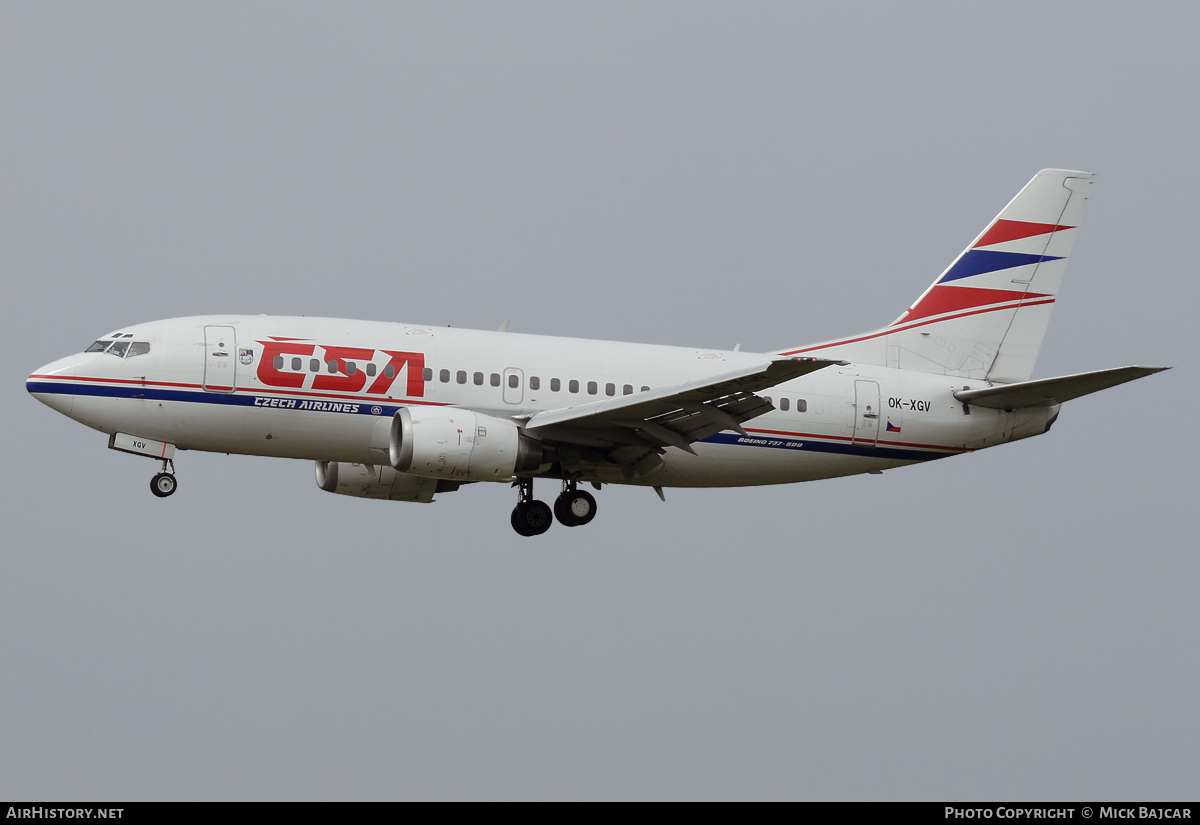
1019	623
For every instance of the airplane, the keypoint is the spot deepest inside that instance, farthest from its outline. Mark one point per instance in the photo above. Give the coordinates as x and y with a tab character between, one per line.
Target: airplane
406	412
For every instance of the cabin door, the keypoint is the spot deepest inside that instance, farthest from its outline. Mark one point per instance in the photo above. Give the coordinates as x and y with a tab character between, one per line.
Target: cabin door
866	413
220	359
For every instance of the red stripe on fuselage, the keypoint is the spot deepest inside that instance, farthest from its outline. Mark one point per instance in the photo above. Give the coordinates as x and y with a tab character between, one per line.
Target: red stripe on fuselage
67	380
849	440
241	391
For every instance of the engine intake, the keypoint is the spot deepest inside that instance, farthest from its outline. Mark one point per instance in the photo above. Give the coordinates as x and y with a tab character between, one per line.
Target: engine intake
461	445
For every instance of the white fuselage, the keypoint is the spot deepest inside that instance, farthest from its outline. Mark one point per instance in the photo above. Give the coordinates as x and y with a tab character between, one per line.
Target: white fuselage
263	386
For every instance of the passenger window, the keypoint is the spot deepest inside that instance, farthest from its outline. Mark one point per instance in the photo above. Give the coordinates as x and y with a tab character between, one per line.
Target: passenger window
461	377
627	390
371	370
277	362
478	378
610	389
573	386
768	399
783	404
351	368
297	364
314	365
495	379
444	376
555	385
535	383
513	381
426	374
138	348
390	372
592	388
801	405
331	365
118	349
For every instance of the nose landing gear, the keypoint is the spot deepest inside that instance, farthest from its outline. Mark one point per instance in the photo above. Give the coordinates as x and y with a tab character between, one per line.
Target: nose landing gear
163	484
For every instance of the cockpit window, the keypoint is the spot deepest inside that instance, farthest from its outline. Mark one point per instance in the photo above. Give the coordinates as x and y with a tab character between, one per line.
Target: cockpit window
120	348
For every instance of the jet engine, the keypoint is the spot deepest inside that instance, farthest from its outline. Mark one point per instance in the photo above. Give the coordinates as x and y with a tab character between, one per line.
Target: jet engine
374	481
460	445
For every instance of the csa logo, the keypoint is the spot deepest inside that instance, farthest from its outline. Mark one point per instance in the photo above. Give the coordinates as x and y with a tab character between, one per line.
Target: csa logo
246	356
376	410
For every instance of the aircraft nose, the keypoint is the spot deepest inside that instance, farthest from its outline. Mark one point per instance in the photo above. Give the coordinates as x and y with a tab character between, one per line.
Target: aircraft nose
46	384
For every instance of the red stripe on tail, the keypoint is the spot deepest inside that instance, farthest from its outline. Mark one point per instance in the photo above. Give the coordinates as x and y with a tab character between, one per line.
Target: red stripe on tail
952	298
1003	230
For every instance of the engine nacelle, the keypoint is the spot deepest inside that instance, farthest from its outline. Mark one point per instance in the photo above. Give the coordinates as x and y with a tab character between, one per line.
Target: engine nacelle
461	445
373	481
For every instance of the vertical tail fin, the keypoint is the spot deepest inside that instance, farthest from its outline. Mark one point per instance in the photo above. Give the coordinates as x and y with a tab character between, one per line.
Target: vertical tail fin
985	316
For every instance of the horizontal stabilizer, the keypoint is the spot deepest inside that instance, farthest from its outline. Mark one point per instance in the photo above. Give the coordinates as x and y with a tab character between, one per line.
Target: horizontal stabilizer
1048	391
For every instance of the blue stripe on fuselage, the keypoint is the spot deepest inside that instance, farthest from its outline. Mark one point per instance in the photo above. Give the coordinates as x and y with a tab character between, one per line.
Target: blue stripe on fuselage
775	442
365	406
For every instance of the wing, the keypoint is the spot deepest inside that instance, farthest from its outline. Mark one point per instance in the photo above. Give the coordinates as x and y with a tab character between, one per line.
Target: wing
633	431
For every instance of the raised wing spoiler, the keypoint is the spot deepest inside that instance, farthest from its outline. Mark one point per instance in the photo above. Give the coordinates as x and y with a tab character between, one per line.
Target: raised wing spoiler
1047	391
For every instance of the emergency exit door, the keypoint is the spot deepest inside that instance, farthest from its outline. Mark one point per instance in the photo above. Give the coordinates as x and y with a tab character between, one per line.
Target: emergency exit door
514	389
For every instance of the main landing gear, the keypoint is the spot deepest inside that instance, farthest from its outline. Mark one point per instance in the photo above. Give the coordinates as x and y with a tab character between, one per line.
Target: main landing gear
163	484
530	517
572	508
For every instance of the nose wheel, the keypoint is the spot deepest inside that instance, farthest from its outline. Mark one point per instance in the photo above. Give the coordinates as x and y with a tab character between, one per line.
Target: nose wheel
163	484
